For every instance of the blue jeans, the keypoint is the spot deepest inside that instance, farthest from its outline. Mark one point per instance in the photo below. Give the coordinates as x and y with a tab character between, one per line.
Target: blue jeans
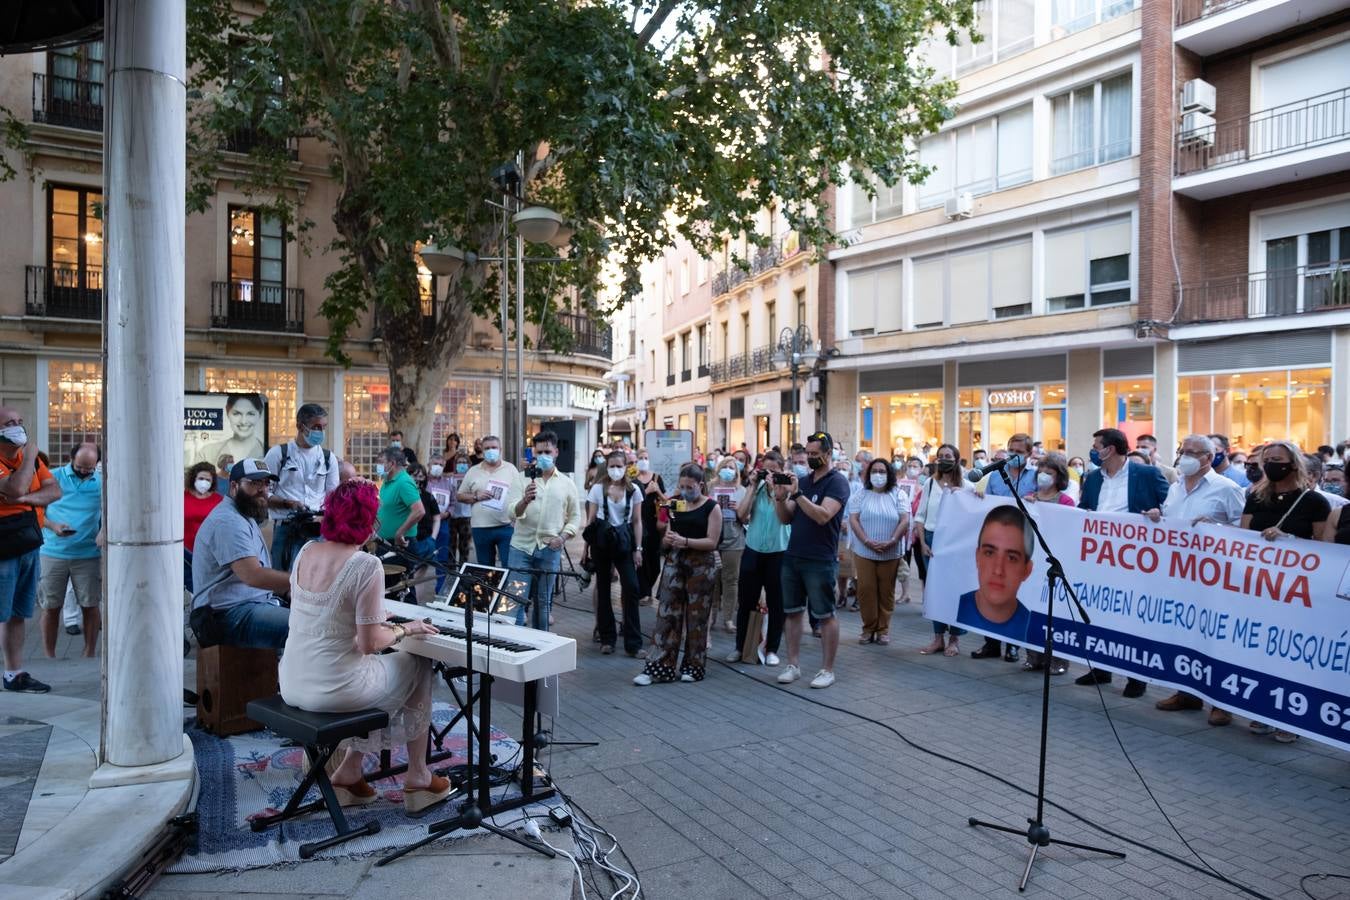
261	626
538	588
492	546
286	543
442	551
18	586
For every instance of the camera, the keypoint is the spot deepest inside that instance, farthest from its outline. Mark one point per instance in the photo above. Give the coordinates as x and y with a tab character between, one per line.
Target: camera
781	478
532	472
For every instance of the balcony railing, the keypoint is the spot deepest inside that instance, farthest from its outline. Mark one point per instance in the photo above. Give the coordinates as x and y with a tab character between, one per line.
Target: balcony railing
244	138
588	337
1190	10
71	102
743	365
254	306
61	292
1279	292
1270	132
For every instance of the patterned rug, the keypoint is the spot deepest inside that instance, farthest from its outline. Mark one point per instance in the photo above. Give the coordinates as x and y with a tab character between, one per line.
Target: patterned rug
251	775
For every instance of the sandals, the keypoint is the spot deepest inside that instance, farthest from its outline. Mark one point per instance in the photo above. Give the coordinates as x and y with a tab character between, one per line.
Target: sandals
936	646
357	794
415	800
952	649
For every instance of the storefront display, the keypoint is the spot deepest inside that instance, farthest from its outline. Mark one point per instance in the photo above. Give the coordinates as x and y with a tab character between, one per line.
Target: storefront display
900	422
1127	404
1254	407
989	416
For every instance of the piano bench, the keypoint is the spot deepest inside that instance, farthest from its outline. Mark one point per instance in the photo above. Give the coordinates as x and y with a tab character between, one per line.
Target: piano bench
320	734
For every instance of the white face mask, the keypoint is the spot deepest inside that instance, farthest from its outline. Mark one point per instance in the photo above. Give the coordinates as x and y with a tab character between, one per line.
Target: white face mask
1188	466
1045	479
615	472
878	480
436	471
15	434
644	465
914	471
204	485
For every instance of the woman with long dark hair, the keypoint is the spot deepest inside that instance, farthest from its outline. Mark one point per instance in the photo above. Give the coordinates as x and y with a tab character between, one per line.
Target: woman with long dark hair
762	560
945	481
653	494
615	543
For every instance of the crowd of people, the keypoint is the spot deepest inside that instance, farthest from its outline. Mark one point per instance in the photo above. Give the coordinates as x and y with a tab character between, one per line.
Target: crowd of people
800	536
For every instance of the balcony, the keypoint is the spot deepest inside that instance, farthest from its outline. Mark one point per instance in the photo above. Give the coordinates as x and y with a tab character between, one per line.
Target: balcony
246	137
69	102
60	292
588	337
249	306
1259	295
1296	141
1207	27
743	365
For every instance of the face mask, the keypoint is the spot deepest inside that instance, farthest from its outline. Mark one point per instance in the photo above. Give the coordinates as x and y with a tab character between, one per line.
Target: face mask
1218	458
314	438
398	444
1277	471
815	462
914	471
857	467
897	464
878	480
1188	466
644	465
1078	469
615	472
1337	489
1095	456
437	471
545	461
1016	461
598	460
1254	473
980	462
204	485
1045	480
379	470
492	456
740	465
726	474
15	434
800	470
690	495
461	468
946	465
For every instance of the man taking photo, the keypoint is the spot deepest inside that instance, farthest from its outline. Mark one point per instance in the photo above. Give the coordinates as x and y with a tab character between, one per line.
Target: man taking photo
308	473
812	503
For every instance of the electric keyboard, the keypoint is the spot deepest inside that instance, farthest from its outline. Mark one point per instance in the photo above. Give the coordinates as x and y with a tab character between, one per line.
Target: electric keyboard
510	652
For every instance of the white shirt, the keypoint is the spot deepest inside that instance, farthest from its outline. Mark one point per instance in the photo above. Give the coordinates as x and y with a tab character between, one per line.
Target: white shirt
308	477
1215	497
1335	500
1115	495
614	509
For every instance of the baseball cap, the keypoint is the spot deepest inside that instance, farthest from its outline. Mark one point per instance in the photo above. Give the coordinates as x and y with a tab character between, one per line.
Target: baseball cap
251	468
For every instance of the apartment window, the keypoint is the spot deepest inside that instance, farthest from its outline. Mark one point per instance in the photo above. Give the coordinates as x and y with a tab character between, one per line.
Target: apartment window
1069	16
1091	125
1088	266
74	245
257	257
874	300
745	332
1295	110
725	334
73	91
771	310
684	276
1319	280
670	361
685	367
1006	28
701	269
702	346
799	303
887	204
245	72
984	156
991	282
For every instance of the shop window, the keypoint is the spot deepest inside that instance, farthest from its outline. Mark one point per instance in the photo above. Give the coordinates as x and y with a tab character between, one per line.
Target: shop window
365	420
1255	407
74	407
900	422
279	386
1127	404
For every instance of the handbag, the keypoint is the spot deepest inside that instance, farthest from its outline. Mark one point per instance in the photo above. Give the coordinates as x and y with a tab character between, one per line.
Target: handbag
19	534
753	639
610	539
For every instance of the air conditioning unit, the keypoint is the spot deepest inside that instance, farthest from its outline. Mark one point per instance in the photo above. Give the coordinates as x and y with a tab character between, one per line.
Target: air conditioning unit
1197	129
960	206
1197	96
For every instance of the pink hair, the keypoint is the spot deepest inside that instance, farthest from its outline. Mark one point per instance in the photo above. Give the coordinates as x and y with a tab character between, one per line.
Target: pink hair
349	512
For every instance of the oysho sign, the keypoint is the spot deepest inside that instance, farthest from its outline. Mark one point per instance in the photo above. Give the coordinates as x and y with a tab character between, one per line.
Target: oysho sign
1017	397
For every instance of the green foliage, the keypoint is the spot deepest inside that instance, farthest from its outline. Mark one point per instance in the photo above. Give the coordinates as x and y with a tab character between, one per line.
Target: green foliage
709	110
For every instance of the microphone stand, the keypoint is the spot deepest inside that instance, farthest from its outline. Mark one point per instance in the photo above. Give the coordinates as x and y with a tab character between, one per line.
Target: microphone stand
473	813
1036	833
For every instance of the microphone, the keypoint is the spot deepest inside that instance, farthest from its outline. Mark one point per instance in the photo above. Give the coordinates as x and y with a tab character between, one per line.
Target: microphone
1013	460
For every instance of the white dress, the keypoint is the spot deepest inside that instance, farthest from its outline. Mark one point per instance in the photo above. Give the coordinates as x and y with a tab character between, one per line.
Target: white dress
323	670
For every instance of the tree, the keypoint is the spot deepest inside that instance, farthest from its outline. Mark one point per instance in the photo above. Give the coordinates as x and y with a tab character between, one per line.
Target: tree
635	121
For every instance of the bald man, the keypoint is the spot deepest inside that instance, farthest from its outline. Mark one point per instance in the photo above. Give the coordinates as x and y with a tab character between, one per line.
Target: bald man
25	486
72	540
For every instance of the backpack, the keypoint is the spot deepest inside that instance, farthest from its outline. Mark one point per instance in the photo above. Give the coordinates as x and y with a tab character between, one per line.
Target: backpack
286	454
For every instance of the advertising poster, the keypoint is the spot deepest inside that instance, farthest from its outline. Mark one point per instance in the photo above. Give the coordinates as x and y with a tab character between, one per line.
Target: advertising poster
1258	627
669	449
216	425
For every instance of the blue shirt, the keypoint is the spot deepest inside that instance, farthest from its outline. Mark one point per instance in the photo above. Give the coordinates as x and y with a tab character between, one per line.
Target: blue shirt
1236	475
80	507
809	539
765	534
226	536
1026	484
1015	629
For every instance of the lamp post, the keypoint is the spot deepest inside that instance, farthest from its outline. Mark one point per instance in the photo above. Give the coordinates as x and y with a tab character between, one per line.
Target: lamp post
796	351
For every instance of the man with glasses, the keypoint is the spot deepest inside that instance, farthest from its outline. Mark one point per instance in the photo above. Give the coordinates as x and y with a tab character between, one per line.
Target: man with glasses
236	588
72	539
1199	495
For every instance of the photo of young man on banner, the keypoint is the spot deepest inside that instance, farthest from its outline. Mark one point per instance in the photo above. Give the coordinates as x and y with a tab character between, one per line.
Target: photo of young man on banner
1255	626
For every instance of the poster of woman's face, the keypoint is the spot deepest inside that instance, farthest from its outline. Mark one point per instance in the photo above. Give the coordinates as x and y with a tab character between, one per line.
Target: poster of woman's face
216	425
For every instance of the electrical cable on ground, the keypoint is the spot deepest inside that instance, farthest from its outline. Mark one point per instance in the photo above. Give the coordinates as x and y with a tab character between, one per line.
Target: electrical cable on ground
1205	870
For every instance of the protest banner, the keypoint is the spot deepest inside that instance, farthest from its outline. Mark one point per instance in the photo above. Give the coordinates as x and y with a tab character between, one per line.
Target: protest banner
1257	627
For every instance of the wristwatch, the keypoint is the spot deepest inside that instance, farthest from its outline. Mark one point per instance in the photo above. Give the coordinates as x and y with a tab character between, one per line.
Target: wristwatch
795	496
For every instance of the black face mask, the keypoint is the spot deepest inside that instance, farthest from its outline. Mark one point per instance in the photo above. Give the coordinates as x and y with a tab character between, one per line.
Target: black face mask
1277	471
1254	473
946	465
815	462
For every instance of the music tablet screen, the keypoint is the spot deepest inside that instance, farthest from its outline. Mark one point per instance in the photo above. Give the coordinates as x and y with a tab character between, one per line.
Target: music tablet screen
462	591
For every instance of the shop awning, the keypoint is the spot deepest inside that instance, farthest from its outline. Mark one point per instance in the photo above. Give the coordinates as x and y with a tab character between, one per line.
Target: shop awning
620	426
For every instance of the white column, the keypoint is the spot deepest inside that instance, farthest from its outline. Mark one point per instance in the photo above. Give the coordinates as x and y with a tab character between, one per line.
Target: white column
145	121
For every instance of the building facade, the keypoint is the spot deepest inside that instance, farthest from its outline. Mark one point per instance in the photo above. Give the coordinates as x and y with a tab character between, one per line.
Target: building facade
252	295
1127	224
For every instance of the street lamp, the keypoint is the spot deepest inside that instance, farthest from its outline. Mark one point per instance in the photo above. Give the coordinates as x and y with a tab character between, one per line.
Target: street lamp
797	352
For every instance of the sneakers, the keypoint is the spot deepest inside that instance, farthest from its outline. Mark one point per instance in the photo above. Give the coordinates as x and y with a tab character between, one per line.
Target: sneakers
824	678
789	674
771	659
26	684
642	680
687	678
733	657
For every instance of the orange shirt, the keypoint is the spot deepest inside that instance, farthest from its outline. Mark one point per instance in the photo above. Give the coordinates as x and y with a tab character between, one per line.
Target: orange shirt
8	466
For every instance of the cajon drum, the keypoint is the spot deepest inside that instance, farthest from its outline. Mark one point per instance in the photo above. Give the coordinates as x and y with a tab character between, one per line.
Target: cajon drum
227	679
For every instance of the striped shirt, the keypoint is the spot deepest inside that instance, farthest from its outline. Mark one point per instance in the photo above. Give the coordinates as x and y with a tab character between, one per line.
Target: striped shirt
878	515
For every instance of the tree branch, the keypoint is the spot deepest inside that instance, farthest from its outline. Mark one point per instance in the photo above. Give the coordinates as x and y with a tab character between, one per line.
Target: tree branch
659	16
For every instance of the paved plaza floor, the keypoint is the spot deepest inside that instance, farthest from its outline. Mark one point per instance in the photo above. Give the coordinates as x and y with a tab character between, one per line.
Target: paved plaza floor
736	788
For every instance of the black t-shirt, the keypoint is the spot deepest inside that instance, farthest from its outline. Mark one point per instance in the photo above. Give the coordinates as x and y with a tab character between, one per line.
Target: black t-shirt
693	523
808	539
432	511
649	504
1308	513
